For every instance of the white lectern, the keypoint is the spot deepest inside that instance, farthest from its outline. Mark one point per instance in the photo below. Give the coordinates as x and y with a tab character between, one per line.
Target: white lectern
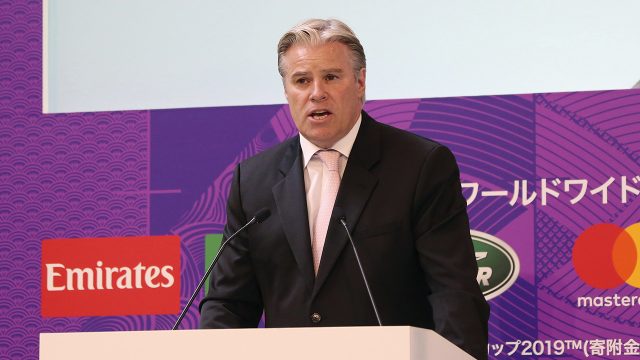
329	343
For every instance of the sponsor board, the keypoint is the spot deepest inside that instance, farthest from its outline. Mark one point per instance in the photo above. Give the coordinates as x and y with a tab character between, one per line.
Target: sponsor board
498	264
110	276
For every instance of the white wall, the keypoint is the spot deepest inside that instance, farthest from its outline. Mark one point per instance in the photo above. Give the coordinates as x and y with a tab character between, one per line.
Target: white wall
144	54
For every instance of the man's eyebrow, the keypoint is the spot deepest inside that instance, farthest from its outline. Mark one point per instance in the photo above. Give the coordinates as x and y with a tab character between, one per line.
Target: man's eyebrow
336	70
298	74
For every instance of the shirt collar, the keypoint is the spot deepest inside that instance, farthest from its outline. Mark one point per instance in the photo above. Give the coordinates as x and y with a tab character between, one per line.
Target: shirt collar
343	146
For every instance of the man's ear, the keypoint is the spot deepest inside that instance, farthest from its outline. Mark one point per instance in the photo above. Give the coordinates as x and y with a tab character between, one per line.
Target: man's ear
284	87
362	80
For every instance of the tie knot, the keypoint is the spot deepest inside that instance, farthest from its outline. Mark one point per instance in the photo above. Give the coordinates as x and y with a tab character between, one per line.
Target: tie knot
330	158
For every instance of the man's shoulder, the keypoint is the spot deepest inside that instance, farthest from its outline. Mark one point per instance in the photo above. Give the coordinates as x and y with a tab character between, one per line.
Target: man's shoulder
399	146
273	156
404	140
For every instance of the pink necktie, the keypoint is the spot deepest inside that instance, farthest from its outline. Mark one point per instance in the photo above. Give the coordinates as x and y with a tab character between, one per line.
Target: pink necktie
330	185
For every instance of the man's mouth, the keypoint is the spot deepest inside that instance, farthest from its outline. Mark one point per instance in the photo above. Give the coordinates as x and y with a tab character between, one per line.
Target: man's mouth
319	114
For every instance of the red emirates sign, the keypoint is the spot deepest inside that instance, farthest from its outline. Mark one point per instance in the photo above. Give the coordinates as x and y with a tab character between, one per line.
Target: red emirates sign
111	276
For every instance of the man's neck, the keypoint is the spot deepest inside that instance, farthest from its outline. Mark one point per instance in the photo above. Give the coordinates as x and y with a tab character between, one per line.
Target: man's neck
343	146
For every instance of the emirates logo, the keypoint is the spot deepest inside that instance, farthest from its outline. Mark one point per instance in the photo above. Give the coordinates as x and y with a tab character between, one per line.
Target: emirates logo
111	276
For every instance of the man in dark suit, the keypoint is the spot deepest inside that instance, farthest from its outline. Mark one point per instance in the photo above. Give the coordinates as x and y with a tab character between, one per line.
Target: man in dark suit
400	195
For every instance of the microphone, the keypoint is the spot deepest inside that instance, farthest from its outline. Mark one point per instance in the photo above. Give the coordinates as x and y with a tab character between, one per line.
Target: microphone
340	216
260	216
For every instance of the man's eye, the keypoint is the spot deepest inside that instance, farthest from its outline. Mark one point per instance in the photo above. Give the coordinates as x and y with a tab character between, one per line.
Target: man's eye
302	81
331	77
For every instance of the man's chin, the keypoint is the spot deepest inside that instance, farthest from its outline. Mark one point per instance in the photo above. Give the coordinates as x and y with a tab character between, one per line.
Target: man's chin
323	141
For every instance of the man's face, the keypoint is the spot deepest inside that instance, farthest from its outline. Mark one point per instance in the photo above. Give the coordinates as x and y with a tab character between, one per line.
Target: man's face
323	94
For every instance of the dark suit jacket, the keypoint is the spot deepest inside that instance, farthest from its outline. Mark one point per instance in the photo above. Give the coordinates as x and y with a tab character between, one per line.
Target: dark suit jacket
402	200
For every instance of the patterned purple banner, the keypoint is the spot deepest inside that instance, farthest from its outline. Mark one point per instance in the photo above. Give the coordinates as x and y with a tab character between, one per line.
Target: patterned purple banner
539	172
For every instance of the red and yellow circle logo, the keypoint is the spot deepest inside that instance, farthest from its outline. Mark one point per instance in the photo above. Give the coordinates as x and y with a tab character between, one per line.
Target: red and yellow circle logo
606	256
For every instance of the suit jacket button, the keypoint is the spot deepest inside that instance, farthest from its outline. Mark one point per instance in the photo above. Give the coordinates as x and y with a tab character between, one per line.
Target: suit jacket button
315	318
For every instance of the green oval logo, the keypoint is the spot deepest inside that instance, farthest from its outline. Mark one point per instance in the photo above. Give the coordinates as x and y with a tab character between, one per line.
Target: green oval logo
498	264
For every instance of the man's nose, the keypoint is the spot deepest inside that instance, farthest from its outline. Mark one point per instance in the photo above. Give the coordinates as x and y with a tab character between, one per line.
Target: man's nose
318	91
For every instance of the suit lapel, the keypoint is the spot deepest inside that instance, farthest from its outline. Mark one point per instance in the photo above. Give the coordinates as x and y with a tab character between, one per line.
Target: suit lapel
291	202
356	187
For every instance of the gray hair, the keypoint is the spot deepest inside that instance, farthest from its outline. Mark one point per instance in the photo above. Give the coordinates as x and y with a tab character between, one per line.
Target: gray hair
317	32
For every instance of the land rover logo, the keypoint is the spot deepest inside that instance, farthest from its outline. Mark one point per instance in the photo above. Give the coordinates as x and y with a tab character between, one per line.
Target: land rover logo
498	265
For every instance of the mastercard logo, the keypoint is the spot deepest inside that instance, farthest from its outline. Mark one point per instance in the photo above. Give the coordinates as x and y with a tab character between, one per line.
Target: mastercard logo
606	256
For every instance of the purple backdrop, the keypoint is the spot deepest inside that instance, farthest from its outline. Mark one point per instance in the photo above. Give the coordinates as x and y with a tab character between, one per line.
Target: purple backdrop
168	172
